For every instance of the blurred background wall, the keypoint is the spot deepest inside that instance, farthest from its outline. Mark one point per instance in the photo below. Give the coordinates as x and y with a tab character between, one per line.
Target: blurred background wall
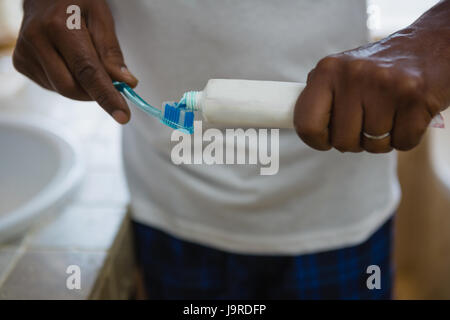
10	16
422	250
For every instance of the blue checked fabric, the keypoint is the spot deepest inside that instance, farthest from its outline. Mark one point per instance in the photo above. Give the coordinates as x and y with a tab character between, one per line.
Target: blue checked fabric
177	269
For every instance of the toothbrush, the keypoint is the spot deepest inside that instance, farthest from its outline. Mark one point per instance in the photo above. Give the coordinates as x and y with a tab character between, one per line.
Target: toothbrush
174	115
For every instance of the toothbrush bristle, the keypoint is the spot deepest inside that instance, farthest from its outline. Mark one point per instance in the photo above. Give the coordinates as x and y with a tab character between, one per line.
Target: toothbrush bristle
189	119
178	118
172	114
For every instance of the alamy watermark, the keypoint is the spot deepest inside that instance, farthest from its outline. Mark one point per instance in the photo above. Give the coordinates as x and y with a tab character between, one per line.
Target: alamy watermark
73	22
374	280
230	146
73	281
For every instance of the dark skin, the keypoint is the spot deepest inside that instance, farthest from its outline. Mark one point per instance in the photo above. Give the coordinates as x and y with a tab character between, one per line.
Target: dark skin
78	64
395	85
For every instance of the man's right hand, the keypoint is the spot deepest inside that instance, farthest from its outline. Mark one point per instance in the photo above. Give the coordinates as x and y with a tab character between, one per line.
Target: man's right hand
80	63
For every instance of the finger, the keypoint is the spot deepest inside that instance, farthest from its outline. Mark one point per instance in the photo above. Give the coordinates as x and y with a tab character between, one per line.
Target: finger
59	76
410	125
346	120
312	112
83	62
29	66
378	120
102	31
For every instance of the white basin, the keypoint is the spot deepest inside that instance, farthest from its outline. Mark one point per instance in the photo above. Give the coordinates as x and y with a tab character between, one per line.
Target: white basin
40	169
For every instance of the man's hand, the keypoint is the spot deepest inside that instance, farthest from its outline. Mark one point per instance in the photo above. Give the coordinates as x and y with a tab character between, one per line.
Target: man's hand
396	86
79	64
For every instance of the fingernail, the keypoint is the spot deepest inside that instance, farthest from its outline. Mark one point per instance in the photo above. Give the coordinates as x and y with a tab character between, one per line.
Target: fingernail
120	116
127	73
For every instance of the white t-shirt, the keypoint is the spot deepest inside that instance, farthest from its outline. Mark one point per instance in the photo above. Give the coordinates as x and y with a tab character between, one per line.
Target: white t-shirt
318	200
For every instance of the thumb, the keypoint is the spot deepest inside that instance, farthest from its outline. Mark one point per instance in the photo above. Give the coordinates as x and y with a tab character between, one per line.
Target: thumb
101	29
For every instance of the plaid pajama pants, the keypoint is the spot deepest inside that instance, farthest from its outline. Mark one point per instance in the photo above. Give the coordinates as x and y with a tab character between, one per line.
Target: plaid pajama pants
177	269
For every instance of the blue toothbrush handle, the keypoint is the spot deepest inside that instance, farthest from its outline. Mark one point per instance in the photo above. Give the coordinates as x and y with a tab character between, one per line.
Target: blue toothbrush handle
131	95
174	115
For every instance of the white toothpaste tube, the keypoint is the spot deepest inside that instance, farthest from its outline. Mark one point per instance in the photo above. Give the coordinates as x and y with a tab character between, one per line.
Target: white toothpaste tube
250	103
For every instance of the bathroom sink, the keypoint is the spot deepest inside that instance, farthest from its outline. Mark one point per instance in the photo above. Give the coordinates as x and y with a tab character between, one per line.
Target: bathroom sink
40	169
